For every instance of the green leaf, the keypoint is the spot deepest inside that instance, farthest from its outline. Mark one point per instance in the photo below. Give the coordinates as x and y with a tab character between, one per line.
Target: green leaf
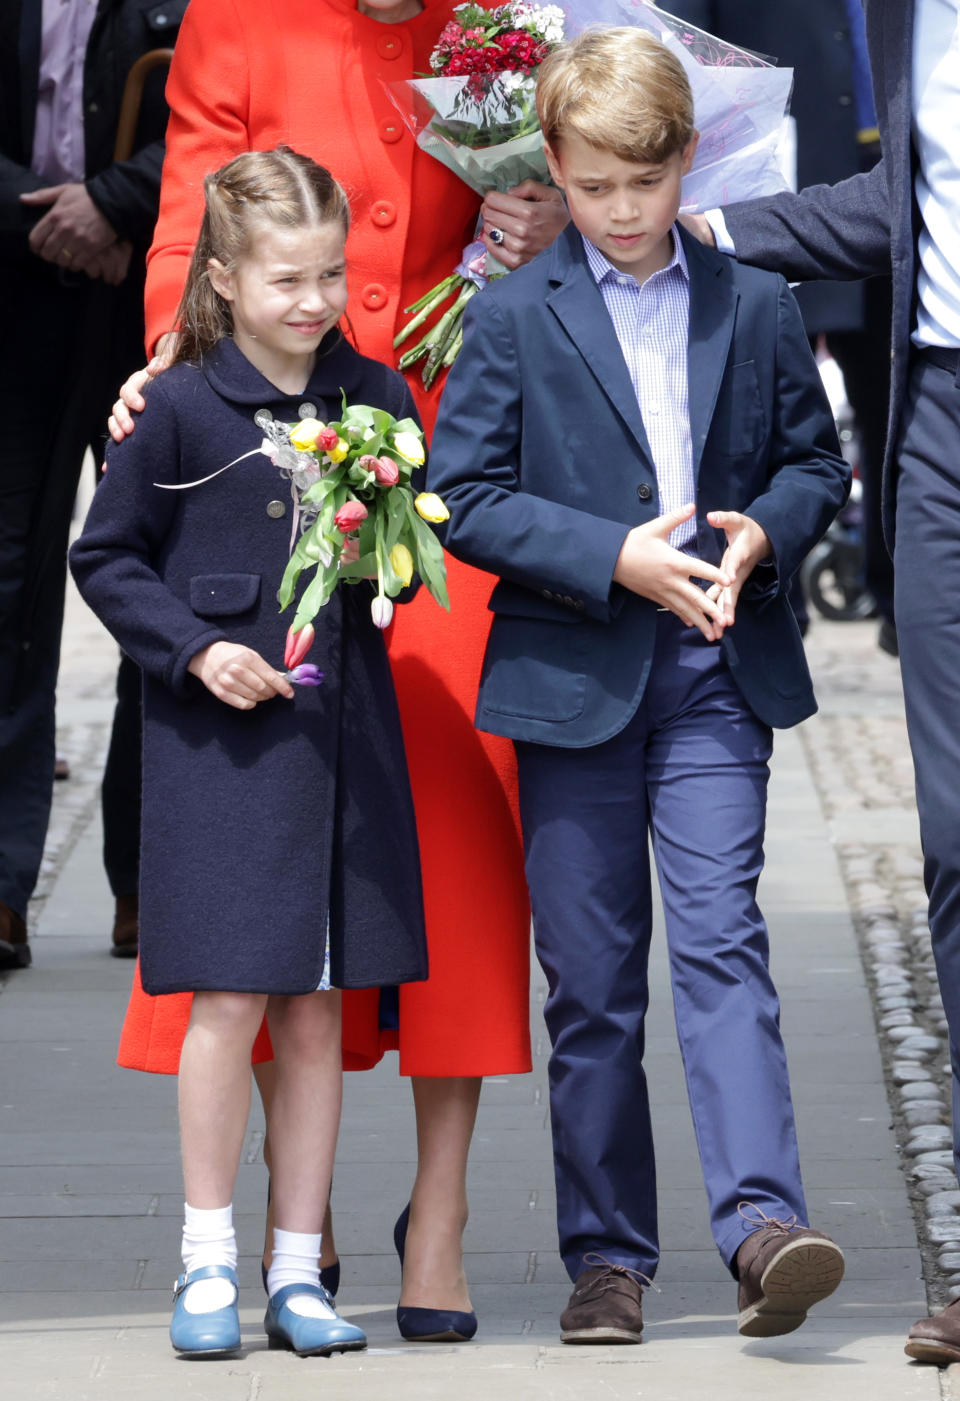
430	565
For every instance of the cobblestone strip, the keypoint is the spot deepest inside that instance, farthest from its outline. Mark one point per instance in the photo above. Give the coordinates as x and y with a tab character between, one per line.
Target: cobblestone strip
863	774
75	801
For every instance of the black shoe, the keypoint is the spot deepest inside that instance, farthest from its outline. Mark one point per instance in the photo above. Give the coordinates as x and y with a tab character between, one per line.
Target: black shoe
14	949
887	638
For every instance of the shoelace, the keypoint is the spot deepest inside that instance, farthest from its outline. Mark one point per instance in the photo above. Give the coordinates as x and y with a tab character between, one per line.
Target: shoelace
762	1221
594	1258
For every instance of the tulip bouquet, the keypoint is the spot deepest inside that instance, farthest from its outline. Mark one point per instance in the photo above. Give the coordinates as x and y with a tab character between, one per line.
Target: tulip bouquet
350	481
478	116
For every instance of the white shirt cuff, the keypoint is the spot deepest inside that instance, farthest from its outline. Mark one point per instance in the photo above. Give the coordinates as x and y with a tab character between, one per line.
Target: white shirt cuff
718	224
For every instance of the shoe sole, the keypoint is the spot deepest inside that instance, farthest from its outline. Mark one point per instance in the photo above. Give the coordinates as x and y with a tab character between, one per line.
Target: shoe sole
188	1352
327	1350
930	1350
798	1276
124	950
600	1335
450	1336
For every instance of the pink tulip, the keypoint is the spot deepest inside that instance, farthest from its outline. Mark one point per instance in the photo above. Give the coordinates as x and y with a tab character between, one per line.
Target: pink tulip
386	471
298	644
328	439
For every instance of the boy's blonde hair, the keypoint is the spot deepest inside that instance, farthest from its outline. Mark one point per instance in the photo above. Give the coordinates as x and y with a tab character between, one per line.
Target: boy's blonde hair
282	186
620	90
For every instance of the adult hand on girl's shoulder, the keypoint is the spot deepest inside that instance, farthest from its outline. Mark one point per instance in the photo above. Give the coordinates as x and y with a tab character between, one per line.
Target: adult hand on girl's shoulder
121	422
529	216
238	675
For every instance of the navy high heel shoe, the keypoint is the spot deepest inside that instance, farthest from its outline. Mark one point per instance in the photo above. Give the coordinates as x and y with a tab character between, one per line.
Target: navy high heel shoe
429	1325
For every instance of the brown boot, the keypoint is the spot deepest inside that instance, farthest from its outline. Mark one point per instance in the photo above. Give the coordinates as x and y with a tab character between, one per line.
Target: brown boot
14	949
606	1305
783	1269
126	927
936	1339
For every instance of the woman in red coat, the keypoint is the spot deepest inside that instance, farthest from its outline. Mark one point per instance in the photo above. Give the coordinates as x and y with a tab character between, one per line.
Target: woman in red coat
249	75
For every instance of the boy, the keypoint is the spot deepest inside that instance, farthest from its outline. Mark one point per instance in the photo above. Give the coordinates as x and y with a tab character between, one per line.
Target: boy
623	375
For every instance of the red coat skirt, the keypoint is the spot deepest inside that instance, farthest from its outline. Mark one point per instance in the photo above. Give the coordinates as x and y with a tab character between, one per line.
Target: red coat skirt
250	75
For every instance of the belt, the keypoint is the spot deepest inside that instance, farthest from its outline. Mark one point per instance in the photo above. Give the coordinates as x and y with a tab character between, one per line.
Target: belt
943	358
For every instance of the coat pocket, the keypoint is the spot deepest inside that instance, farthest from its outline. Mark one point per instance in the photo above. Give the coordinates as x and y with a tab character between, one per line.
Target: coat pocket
740	424
223	595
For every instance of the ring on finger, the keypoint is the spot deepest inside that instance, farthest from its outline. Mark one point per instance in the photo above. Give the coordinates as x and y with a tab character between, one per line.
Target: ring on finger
496	235
66	255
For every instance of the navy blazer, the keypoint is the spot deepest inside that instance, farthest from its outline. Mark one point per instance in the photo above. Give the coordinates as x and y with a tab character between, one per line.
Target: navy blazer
541	456
863	226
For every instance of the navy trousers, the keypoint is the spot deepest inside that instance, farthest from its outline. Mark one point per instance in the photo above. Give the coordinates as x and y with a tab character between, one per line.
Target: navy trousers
927	608
691	767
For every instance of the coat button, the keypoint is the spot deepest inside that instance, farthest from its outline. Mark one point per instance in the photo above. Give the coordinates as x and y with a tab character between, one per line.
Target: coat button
383	213
391	130
276	509
644	491
389	46
545	593
374	296
845	99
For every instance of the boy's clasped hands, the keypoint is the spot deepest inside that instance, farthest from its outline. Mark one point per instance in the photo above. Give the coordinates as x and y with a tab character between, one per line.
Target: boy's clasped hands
649	565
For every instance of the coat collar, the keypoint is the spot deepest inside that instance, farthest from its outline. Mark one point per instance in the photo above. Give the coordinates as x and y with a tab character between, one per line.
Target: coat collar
578	304
339	368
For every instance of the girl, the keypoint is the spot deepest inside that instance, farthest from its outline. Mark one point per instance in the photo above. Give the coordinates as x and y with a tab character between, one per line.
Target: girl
277	825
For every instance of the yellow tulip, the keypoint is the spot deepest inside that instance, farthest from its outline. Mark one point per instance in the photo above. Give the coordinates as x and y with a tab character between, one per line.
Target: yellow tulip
410	448
401	562
430	507
338	453
305	435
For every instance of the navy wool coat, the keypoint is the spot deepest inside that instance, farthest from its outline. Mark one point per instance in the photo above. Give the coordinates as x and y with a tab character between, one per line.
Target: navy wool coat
261	828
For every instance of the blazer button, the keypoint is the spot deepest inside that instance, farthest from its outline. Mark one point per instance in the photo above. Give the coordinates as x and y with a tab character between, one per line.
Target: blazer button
276	509
383	213
374	296
545	593
644	491
391	130
579	606
568	600
389	46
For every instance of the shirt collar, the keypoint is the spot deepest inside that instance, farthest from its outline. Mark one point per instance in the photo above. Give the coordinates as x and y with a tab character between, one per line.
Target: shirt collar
603	270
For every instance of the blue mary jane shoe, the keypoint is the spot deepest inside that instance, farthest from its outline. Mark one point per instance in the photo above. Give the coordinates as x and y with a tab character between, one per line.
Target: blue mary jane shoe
205	1334
429	1325
309	1337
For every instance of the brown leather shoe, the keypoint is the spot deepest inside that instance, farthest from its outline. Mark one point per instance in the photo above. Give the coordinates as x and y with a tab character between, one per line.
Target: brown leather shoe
783	1269
126	927
14	949
936	1339
606	1305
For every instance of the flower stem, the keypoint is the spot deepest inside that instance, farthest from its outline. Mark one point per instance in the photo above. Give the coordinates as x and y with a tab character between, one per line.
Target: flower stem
426	306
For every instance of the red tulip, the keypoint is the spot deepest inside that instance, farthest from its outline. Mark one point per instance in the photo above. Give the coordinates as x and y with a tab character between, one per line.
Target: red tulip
350	515
298	645
328	439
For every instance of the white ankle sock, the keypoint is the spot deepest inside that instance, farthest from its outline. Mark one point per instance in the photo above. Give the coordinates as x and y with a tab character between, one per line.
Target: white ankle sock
296	1260
208	1239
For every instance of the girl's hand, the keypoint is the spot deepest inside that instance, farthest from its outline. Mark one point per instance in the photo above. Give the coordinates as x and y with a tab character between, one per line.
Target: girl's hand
648	565
238	675
747	544
121	422
529	216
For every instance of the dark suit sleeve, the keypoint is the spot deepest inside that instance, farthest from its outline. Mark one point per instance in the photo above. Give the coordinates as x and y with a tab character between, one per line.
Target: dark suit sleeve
809	479
127	193
837	232
475	466
114	560
16	219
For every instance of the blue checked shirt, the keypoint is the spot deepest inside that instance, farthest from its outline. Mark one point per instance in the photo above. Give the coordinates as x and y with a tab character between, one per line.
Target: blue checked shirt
652	322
